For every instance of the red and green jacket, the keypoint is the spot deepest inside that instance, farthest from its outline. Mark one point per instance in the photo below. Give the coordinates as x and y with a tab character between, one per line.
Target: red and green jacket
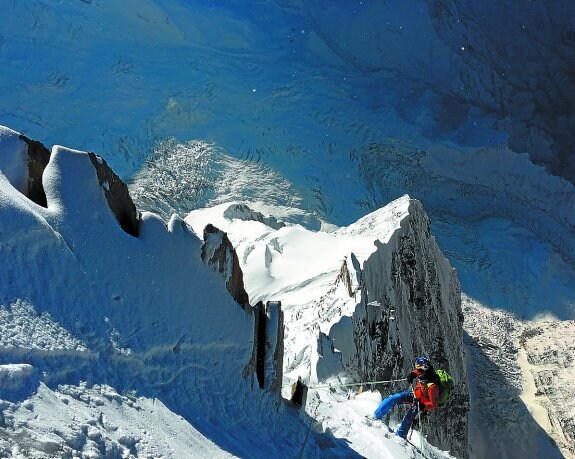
427	392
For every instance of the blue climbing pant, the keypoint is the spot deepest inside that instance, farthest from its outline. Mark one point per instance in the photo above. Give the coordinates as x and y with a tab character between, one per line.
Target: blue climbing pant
405	425
389	402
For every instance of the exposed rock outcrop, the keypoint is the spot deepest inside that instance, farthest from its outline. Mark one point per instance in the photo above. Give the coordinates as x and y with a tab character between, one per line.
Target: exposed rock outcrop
299	393
38	158
117	195
268	351
219	253
411	306
243	212
274	347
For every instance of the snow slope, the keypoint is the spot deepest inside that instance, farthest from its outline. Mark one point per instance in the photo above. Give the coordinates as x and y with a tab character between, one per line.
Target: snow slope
327	111
95	310
121	346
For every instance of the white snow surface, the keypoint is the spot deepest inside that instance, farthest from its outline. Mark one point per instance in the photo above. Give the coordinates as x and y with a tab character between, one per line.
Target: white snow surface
300	267
317	144
115	346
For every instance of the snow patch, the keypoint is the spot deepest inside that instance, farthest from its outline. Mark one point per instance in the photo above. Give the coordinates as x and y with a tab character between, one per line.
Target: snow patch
17	381
22	327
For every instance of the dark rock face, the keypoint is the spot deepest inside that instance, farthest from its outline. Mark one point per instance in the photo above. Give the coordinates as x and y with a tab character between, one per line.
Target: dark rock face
38	158
243	212
260	343
266	362
219	253
415	312
345	277
299	393
117	195
274	347
521	71
115	191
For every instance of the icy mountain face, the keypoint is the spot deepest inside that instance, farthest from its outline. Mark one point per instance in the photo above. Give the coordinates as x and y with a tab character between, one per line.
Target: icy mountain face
373	296
411	306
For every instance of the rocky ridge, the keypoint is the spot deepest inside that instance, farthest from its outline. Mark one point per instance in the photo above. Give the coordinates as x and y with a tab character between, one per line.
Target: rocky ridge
411	306
370	309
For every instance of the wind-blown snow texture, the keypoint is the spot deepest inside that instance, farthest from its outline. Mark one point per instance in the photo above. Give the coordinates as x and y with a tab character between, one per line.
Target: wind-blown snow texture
94	312
327	111
113	343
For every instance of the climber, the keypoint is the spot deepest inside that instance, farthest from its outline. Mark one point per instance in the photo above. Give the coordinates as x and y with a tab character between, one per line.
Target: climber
422	398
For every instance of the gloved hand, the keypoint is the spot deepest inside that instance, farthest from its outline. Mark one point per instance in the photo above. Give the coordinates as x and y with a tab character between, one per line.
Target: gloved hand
420	406
410	377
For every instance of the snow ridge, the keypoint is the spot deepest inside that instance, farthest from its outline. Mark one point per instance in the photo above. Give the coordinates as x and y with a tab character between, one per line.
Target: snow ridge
86	305
105	334
372	296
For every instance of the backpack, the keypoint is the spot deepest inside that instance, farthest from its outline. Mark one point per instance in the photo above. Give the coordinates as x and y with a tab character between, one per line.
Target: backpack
445	385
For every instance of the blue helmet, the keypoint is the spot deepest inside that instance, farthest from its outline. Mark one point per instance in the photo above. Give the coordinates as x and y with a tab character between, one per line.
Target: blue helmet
421	363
